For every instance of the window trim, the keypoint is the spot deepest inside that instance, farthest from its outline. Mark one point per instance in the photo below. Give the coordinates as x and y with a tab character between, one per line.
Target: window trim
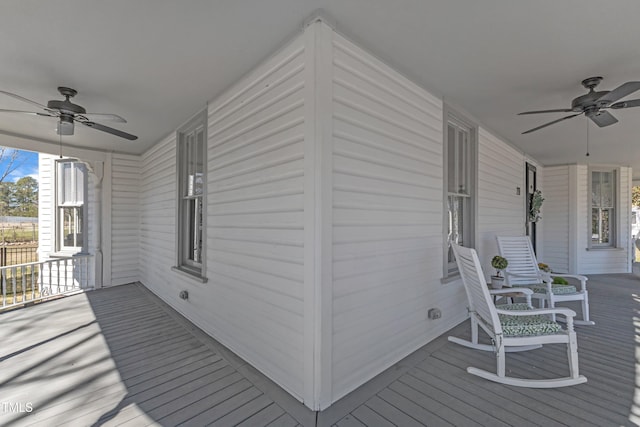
615	220
59	248
184	265
450	271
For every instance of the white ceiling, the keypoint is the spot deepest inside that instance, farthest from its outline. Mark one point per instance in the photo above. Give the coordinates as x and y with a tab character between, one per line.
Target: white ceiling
157	62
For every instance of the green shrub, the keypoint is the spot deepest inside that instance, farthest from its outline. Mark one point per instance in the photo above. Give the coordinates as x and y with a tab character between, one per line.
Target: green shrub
560	281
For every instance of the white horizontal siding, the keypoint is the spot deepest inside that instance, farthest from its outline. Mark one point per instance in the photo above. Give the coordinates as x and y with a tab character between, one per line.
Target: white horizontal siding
255	223
501	211
157	219
253	300
555	214
125	218
46	207
387	218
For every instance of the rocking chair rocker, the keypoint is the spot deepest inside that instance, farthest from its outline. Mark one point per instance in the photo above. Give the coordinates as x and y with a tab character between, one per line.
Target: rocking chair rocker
517	327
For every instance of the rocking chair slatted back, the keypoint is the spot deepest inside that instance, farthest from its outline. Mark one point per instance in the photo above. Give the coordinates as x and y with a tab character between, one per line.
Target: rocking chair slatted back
521	260
480	301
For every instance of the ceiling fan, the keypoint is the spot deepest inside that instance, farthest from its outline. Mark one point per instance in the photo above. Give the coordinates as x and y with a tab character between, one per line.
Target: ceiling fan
593	104
69	113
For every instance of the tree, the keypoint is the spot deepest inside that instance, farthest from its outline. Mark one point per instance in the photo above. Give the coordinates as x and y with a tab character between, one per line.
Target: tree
635	196
19	198
9	161
24	197
6	189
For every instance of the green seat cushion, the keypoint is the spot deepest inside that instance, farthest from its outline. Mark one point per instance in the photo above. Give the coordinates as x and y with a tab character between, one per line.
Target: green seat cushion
556	289
523	326
517	306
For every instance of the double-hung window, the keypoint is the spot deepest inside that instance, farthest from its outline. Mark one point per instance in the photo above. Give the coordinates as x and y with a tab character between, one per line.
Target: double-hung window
603	208
71	217
191	193
460	188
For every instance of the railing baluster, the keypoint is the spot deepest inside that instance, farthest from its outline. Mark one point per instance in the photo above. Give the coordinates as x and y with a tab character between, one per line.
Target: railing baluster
74	280
14	286
41	281
66	271
4	288
58	273
23	273
33	282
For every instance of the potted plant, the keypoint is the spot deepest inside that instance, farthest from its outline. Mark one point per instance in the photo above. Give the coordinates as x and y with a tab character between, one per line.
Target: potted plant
544	267
499	263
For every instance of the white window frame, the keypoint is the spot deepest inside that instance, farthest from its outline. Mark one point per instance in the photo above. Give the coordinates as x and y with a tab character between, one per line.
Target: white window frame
78	206
467	193
191	197
614	208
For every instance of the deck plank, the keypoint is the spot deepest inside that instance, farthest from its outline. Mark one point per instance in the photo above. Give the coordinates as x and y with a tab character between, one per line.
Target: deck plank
285	420
391	413
264	417
349	421
241	413
369	417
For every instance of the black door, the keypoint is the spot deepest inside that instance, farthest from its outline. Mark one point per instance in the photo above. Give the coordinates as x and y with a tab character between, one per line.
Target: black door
531	188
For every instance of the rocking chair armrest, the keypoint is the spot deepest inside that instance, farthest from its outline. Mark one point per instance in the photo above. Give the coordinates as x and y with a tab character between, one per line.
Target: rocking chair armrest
534	277
582	279
567	312
516	290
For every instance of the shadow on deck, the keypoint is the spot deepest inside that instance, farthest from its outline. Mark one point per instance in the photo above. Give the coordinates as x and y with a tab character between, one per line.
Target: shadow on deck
121	356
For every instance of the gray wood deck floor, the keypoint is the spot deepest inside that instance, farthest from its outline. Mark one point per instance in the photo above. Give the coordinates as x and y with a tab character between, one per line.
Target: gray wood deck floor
121	356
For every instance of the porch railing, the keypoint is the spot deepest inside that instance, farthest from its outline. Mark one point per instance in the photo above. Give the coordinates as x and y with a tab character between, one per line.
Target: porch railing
36	281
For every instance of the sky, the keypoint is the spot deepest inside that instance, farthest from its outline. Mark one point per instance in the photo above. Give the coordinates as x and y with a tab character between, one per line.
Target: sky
27	163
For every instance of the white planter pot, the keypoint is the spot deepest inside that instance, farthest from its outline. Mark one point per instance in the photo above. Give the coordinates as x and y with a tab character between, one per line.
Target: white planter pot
497	282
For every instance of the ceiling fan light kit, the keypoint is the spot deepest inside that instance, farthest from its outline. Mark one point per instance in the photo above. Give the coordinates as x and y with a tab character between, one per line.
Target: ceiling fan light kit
594	104
65	126
69	113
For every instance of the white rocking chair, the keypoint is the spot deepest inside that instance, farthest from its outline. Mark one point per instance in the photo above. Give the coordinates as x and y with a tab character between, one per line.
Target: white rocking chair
516	328
523	270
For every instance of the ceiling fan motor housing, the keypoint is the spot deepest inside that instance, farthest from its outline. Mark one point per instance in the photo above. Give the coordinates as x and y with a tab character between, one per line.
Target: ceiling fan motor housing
65	106
585	102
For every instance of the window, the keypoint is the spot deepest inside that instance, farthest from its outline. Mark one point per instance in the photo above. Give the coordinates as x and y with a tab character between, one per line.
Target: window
71	224
191	192
460	186
603	208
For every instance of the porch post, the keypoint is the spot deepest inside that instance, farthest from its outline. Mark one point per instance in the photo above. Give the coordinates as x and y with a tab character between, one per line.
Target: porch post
98	169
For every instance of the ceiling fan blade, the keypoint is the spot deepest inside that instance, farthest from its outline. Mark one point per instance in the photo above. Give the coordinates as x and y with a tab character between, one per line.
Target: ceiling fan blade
34	113
626	104
23	99
102	117
107	129
619	92
603	118
550	123
561	110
